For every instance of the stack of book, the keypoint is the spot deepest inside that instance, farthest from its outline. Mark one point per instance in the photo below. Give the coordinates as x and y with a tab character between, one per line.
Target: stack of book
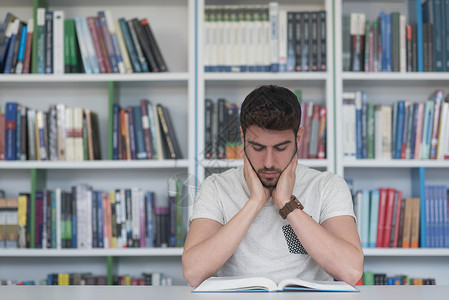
222	130
93	44
144	131
313	120
371	278
389	44
404	130
61	133
263	38
85	218
385	219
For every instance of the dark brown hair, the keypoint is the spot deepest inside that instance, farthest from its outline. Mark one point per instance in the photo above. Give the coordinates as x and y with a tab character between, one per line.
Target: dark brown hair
271	107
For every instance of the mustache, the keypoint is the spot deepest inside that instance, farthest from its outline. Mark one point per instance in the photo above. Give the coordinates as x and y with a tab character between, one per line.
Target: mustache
269	170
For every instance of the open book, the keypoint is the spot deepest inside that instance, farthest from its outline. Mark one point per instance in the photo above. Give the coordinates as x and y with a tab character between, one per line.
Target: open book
262	284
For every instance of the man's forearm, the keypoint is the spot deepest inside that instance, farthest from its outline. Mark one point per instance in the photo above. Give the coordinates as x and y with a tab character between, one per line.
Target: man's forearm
339	257
204	259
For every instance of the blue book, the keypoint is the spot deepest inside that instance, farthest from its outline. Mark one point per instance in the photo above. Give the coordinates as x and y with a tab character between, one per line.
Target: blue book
21	54
427	129
419	190
445	194
130	46
399	129
374	215
150	219
10	130
358	123
415	17
10	51
100	218
365	218
139	137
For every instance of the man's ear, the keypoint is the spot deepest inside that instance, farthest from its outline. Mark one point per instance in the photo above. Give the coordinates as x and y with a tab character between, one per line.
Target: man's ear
299	137
242	136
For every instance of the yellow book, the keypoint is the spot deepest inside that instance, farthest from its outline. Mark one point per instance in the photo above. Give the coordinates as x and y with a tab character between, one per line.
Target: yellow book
414	231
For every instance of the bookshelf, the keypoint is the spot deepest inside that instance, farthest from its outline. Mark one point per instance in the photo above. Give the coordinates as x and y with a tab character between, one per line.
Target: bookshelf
183	89
174	89
386	88
316	87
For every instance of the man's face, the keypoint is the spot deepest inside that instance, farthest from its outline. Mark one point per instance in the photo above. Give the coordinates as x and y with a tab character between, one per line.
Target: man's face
270	152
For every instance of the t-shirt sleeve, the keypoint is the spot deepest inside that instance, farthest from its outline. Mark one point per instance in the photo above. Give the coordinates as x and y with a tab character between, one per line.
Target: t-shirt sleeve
337	200
207	202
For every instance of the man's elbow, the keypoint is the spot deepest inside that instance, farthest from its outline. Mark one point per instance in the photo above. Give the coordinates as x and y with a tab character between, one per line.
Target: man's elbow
353	274
190	274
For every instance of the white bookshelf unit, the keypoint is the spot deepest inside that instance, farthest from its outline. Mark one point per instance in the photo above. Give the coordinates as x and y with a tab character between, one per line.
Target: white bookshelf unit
386	88
172	23
179	29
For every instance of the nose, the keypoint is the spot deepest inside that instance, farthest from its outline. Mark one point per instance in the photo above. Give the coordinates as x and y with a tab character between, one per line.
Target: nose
269	159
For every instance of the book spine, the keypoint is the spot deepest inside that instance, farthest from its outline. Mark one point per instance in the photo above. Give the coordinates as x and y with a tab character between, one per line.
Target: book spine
10	131
162	67
122	46
21	53
274	24
132	133
48	42
10	50
142	60
130	46
58	42
27	54
438	100
108	42
91	21
115	46
374	214
145	45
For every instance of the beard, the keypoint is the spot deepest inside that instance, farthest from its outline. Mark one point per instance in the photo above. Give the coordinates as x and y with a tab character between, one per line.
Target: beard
269	182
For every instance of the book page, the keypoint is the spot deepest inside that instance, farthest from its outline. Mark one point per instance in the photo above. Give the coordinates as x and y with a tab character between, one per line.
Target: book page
296	283
236	284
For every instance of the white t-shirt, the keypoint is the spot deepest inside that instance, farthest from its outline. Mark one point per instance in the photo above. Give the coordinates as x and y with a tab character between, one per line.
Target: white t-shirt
271	248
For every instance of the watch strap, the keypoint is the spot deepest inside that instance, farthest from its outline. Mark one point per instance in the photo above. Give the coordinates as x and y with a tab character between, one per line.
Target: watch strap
290	206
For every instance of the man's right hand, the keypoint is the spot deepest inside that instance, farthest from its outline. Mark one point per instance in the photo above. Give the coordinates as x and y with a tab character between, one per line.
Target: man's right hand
257	191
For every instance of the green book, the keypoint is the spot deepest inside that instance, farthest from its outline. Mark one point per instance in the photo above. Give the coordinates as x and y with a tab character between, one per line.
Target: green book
368	278
40	40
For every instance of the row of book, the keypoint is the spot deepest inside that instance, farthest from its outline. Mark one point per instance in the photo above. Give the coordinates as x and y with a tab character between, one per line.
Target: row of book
389	44
154	278
263	38
385	219
144	131
222	130
85	218
371	278
313	120
60	133
404	130
93	44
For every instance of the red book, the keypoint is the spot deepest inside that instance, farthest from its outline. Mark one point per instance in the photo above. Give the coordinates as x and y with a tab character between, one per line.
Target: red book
381	218
96	40
322	134
388	217
398	220
27	55
104	51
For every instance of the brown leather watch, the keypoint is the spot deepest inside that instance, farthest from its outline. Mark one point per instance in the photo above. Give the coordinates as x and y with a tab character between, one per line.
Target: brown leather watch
290	206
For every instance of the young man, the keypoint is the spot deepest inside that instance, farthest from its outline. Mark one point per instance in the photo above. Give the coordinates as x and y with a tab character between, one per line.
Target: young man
272	217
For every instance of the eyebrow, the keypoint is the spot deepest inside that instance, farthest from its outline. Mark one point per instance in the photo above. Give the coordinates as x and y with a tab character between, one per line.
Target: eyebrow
277	145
